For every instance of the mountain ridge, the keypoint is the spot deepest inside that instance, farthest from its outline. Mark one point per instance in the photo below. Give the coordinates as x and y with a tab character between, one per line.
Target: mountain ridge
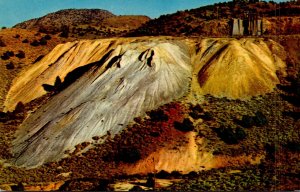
65	17
84	23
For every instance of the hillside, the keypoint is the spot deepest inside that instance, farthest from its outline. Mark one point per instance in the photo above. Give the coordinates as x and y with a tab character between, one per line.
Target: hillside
215	20
164	100
84	23
19	49
54	22
180	109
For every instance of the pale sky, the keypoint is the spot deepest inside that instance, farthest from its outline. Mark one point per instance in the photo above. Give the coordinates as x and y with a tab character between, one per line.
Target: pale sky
16	11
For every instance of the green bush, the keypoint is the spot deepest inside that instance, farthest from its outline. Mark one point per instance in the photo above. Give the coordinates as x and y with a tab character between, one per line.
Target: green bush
25	41
128	155
35	43
158	115
43	41
47	37
20	55
247	121
2	44
185	126
10	65
260	119
196	111
231	136
207	116
7	55
293	146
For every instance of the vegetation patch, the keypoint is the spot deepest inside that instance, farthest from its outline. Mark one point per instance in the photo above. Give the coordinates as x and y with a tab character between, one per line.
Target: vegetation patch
185	126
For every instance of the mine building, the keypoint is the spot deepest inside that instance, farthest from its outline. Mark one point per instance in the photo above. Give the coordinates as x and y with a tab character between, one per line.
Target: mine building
250	24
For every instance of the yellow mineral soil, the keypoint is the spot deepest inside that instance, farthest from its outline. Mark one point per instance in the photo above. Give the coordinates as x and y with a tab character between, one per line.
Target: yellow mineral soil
63	59
223	67
237	69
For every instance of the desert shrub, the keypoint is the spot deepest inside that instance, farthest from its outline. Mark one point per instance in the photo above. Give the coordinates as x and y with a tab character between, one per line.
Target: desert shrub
3	28
128	155
25	41
5	56
185	126
293	90
10	65
47	37
20	54
158	115
19	187
65	32
195	115
43	29
229	135
3	116
10	53
192	174
207	116
260	119
150	181
196	111
136	188
102	185
270	151
293	146
175	174
294	115
35	43
154	134
43	41
2	44
240	133
137	119
247	121
162	174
